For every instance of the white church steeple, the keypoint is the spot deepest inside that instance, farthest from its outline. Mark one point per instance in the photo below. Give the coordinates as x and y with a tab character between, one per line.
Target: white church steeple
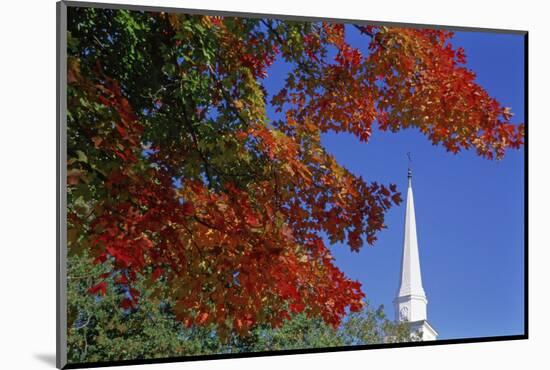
410	302
411	279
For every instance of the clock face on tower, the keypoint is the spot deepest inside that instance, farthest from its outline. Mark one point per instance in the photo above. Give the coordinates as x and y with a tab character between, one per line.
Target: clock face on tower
404	313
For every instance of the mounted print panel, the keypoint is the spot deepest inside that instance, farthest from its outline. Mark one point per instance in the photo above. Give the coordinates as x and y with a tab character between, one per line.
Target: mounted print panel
236	185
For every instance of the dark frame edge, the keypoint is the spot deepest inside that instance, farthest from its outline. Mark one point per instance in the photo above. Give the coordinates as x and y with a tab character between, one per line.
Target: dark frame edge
526	185
61	191
287	17
292	352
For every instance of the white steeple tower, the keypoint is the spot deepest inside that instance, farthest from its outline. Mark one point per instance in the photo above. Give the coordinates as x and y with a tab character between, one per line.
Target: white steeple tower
410	302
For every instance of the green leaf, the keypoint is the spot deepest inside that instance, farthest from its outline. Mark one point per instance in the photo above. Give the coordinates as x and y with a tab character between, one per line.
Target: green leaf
81	156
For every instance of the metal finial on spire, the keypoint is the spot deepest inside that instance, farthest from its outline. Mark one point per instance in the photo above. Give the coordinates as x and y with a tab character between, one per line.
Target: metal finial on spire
409	172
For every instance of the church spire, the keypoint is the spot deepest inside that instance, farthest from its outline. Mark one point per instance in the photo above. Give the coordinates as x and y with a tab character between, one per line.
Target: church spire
411	278
410	302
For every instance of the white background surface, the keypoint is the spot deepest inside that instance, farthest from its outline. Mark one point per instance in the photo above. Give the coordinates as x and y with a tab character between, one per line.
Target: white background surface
27	183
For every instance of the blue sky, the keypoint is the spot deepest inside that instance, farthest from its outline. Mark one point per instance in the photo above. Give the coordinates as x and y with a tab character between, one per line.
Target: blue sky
469	210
